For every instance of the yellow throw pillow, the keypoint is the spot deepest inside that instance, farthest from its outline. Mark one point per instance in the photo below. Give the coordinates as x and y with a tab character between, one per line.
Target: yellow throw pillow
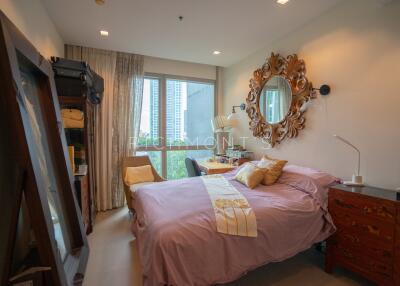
134	175
250	175
274	169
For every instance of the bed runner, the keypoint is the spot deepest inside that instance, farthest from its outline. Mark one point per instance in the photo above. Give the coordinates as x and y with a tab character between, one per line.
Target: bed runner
233	213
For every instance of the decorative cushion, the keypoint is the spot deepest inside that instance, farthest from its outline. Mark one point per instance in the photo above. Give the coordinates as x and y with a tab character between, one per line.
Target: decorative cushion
250	175
134	175
274	169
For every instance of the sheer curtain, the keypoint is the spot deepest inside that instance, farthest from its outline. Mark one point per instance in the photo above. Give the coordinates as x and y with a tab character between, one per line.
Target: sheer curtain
128	94
115	117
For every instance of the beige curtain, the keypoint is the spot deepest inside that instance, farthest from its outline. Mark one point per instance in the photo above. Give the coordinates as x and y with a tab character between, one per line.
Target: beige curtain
128	94
114	120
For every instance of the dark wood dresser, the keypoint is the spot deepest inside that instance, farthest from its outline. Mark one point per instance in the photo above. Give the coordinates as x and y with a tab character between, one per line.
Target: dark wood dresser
367	240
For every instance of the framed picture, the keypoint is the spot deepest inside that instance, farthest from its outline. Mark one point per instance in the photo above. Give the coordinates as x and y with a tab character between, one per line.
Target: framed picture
35	169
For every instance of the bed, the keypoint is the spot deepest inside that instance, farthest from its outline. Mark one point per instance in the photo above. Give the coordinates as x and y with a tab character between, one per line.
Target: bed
176	233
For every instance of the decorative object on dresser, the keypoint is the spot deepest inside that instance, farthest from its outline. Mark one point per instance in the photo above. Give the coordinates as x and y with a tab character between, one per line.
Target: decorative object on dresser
237	155
79	93
367	239
42	239
278	93
357	179
238	152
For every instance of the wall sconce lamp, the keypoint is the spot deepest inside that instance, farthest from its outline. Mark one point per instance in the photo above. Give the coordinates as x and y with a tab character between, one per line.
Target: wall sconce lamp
324	89
233	115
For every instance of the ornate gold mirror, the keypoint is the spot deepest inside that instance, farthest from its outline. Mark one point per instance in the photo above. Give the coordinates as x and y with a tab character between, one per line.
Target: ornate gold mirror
278	91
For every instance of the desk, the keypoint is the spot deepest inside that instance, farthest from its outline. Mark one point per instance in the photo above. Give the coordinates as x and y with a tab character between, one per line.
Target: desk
214	167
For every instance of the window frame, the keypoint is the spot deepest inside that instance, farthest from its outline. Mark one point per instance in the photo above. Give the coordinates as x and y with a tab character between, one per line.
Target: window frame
162	123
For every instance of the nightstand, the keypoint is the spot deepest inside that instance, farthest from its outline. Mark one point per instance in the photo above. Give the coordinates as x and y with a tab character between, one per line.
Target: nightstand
367	239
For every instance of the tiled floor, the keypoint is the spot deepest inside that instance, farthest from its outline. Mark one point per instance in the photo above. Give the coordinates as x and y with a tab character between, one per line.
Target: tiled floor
114	261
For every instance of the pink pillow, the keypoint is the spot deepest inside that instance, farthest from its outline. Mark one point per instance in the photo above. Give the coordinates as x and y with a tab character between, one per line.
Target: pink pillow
323	178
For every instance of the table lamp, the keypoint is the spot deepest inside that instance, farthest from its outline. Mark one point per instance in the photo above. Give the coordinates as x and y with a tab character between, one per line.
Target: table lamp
357	179
221	127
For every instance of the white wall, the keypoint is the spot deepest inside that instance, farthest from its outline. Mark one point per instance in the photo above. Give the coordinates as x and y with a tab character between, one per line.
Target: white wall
355	48
32	20
179	68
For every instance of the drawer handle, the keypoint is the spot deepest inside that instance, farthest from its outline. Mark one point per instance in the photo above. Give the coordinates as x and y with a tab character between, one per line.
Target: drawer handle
367	210
379	268
383	212
387	254
352	238
348	254
343	204
373	229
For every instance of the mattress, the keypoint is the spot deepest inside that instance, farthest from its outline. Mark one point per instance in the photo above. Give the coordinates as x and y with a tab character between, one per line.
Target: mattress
178	243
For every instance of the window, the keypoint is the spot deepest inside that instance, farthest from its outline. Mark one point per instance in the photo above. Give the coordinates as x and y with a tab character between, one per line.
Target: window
188	107
176	168
149	121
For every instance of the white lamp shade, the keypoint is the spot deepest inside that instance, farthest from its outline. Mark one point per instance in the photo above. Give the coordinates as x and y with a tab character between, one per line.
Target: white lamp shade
219	123
233	119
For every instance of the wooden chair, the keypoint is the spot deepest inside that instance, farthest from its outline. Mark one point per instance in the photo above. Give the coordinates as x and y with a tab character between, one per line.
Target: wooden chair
136	161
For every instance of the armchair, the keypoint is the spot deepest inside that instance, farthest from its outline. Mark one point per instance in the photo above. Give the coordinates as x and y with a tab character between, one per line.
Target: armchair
136	161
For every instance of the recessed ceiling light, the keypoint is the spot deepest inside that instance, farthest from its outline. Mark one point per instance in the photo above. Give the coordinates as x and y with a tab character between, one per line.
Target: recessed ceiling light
216	52
104	33
283	2
100	2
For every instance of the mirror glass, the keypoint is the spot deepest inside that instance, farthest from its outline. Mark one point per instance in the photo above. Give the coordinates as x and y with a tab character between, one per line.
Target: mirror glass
275	99
47	175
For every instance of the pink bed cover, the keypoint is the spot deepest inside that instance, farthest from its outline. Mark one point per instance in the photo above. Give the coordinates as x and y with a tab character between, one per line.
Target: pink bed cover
177	239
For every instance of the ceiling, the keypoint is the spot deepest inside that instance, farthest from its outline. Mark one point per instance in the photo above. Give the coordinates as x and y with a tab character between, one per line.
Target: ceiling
151	27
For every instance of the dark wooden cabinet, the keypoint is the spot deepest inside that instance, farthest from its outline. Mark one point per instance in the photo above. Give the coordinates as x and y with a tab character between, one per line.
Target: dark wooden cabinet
367	240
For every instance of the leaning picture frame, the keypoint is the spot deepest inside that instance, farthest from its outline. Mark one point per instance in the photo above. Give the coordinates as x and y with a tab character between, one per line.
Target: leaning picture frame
34	166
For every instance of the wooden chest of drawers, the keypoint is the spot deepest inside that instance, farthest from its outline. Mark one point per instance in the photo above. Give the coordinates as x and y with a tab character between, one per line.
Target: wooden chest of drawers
367	240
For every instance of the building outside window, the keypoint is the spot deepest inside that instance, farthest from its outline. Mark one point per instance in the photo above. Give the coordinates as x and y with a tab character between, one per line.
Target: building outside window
188	106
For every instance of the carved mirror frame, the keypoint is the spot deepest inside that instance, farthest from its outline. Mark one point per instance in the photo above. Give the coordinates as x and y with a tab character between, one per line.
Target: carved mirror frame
293	70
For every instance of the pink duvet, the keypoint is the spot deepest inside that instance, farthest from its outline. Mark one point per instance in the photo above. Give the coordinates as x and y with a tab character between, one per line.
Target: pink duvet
177	239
